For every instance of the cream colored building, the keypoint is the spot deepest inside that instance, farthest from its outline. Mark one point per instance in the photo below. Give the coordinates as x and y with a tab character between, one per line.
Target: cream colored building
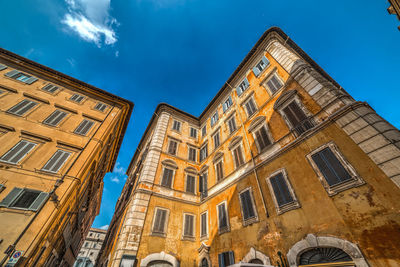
90	248
58	136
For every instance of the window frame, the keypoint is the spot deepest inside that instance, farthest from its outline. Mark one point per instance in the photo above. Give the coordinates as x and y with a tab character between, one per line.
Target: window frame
269	135
56	125
205	236
226	108
270	76
173	169
62	165
101	105
169	146
216	133
178	123
26	113
88	131
332	190
264	60
228	227
295	204
165	228
204	193
53	90
246	84
250	220
234	147
216	162
232	117
190	132
244	103
19	162
195	153
186	183
20	194
205	145
75	101
204	131
214	118
189	237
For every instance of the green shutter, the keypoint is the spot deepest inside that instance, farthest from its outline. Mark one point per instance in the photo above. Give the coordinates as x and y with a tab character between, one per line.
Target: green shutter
3	67
31	80
39	201
12	73
11	197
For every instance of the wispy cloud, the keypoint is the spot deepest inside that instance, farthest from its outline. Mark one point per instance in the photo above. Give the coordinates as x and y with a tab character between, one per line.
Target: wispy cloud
119	169
91	20
115	179
104	227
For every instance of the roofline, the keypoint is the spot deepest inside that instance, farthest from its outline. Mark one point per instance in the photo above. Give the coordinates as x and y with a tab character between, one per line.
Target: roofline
79	82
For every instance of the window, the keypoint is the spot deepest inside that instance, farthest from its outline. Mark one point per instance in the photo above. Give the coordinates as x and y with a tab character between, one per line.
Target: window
18	152
216	140
203	184
127	261
193	132
192	154
84	127
262	138
176	126
3	67
297	118
100	106
24	199
274	84
226	258
261	66
283	194
190	184
167	177
159	221
250	107
203	225
22	77
22	107
238	156
204	131
188	230
51	88
172	147
219	170
204	152
56	161
232	124
227	104
223	224
76	98
242	86
55	118
248	207
214	118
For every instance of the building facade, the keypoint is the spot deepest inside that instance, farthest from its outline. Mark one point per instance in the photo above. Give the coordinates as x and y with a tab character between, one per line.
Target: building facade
282	167
58	136
394	9
91	247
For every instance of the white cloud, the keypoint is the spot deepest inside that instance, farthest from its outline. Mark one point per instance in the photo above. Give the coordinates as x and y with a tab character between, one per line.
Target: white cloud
118	169
114	179
117	53
91	20
104	227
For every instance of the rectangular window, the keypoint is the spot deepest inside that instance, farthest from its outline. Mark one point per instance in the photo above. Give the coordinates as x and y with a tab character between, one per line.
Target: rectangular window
84	127
226	258
22	107
127	261
56	161
193	132
297	118
223	225
190	184
242	86
192	154
330	167
203	225
51	88
227	104
172	147
216	140
238	156
100	106
167	178
55	118
159	221
204	131
214	119
250	107
281	190
274	84
219	170
203	184
24	199
18	152
246	202
3	67
262	138
20	76
232	124
261	66
204	152
176	126
188	226
77	98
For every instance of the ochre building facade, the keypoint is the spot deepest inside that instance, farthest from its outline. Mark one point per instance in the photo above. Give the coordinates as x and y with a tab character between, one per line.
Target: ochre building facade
282	167
58	136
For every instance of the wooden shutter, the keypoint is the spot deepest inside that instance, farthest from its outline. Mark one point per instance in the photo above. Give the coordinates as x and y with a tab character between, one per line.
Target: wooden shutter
50	88
22	107
201	183
39	201
221	260
222	216
203	224
294	114
12	73
190	183
262	138
247	206
56	161
281	190
160	220
18	152
84	127
256	71
15	192
231	258
172	147
55	117
3	67
30	80
188	231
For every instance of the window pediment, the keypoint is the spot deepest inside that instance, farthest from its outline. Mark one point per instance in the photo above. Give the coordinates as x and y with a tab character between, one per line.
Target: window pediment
283	98
256	122
169	163
235	141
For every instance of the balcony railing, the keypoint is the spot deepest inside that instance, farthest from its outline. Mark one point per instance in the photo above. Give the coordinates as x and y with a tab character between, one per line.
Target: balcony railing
303	126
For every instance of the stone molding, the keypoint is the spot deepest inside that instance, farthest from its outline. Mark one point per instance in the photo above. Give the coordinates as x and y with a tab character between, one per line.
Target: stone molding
162	256
312	241
255	254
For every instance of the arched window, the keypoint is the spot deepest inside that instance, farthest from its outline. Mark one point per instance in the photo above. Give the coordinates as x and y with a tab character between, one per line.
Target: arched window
204	262
323	255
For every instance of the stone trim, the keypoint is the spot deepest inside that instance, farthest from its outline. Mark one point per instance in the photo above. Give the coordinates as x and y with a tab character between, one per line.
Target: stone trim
255	254
204	253
312	241
162	256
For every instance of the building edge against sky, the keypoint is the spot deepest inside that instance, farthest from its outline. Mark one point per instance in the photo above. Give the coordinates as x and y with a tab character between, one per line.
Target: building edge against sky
394	9
282	160
59	136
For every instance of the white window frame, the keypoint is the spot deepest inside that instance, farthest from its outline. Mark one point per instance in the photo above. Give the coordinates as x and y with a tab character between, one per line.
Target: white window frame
258	63
240	86
257	128
355	180
23	157
204	237
180	125
233	154
226	100
75	101
173	176
221	159
54	88
213	116
193	237
217	132
270	76
232	117
190	132
204	145
19	194
195	149
287	207
254	219
228	227
202	131
62	165
250	98
169	144
195	182
164	234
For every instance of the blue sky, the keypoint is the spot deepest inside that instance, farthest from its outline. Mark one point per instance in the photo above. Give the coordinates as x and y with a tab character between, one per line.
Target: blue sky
182	51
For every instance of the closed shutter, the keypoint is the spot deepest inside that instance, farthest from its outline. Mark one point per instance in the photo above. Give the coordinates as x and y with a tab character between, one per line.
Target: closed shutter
190	184
167	178
205	186
100	106
3	67
219	169
176	126
203	224
56	161
294	114
222	217
50	88
188	231
12	73
262	138
31	80
238	156
232	125
22	107
19	151
201	182
160	221
256	71
330	167
247	206
39	201
172	147
221	260
84	127
55	118
15	192
250	107
281	190
192	154
231	258
216	140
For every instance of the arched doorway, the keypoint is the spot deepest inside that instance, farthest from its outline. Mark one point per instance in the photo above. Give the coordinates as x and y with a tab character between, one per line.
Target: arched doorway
159	264
256	261
204	262
323	255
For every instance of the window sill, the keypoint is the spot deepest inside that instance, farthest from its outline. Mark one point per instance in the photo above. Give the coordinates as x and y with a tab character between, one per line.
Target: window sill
351	183
188	238
250	221
158	234
202	238
288	207
224	230
17	210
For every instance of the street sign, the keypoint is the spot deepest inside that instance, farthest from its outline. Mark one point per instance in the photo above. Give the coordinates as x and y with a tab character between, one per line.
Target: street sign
14	258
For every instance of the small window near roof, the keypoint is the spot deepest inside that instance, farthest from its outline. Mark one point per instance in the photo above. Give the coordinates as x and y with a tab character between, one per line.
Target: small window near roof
20	76
100	106
77	98
193	132
51	88
204	131
250	107
261	66
176	126
242	86
227	104
3	67
214	118
274	84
